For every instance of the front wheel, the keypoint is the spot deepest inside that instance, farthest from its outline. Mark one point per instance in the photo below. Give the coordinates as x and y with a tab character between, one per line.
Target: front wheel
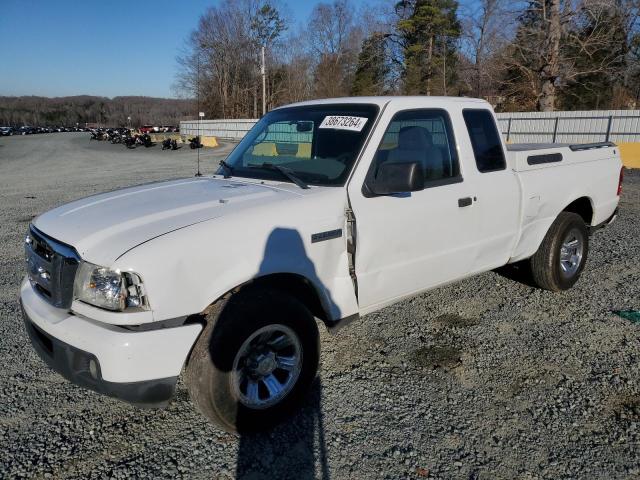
254	361
559	261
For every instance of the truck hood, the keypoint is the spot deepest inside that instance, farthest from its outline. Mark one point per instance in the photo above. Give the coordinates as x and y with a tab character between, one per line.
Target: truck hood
103	227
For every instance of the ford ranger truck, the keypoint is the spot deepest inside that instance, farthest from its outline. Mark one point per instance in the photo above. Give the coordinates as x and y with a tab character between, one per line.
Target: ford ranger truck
326	210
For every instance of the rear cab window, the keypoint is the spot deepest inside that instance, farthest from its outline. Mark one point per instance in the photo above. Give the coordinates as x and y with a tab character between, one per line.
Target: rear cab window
485	140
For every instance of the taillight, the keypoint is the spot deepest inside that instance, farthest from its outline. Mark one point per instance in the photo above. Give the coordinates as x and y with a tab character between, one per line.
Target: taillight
620	181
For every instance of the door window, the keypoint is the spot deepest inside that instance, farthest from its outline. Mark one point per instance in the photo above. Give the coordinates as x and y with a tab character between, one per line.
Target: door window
485	140
423	136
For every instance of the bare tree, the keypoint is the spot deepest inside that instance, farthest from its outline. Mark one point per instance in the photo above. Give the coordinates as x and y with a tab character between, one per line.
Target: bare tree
487	27
220	64
550	52
534	54
334	42
559	46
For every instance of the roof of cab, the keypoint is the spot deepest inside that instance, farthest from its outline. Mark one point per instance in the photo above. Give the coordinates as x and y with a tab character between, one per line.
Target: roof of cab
381	101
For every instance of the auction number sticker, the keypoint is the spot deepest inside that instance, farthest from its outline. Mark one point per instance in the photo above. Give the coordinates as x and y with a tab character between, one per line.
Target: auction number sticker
341	122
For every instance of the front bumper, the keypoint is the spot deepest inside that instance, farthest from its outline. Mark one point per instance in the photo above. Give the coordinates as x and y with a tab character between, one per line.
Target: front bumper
137	367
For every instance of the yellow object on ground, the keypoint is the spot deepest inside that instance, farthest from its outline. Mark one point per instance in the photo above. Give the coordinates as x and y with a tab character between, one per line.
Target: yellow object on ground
159	137
630	153
266	149
210	141
304	150
206	141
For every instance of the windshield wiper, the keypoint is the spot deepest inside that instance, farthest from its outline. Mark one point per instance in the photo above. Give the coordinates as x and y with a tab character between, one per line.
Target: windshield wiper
286	172
224	164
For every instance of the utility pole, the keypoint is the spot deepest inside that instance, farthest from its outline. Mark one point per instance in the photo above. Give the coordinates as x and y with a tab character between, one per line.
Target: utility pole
200	114
264	84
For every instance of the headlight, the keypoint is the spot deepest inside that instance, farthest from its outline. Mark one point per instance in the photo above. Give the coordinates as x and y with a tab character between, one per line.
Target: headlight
110	289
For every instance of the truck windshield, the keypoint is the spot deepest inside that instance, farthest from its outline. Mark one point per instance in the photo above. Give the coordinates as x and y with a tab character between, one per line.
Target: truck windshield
318	144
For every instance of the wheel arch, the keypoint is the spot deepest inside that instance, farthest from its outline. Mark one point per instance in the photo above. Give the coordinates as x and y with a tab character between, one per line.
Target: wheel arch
529	243
582	206
294	284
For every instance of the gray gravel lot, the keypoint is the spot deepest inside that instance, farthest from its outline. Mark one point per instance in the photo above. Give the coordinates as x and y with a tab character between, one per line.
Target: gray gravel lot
487	378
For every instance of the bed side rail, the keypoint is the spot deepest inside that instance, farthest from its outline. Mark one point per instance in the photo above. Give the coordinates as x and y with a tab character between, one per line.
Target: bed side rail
590	146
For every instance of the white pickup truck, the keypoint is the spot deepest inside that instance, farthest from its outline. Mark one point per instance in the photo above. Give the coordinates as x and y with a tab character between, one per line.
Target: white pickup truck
326	210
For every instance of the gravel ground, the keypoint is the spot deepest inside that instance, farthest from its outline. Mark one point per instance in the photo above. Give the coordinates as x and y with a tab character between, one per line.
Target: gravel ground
484	379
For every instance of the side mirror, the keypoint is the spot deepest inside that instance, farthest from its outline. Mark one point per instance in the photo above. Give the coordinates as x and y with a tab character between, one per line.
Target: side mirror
398	178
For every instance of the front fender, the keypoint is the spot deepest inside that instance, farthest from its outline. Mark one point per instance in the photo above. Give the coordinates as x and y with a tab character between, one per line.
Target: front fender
187	270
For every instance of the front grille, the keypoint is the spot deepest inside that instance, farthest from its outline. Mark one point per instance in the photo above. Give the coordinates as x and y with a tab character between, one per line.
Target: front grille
51	266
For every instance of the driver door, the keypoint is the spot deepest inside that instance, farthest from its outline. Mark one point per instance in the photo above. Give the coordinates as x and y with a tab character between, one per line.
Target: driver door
409	242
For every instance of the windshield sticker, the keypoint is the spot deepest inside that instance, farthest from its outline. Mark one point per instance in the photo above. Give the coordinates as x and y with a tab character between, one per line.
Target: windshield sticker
340	122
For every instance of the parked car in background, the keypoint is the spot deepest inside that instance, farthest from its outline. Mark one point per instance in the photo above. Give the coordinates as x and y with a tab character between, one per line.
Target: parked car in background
146	129
6	131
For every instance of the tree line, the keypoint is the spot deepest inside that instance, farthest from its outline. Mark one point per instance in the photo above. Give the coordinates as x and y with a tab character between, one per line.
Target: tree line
524	55
117	111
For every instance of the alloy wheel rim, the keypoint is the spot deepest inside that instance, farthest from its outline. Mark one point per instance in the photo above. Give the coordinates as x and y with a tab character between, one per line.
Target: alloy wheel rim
571	252
266	366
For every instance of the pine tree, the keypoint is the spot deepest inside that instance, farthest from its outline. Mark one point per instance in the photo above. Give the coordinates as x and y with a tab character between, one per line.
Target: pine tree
372	68
429	35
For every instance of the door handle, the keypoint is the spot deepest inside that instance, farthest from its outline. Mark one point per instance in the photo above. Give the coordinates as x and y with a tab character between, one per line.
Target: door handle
465	202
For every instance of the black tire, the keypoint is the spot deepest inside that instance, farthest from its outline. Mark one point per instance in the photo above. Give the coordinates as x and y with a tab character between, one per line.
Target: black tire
230	322
546	268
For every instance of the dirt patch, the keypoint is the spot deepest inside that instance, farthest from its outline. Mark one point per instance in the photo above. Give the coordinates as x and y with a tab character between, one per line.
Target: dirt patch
453	320
516	387
435	356
627	408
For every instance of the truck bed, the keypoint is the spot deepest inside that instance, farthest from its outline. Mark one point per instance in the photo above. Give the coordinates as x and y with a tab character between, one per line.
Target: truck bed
519	147
553	175
534	156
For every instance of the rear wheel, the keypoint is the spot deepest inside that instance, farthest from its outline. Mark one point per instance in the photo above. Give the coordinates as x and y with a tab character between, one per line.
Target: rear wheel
559	261
254	361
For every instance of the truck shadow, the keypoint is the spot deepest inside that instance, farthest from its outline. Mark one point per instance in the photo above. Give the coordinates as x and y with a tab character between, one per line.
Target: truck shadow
518	272
295	449
284	252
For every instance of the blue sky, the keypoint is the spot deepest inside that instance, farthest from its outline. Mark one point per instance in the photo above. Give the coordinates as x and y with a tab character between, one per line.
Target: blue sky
108	48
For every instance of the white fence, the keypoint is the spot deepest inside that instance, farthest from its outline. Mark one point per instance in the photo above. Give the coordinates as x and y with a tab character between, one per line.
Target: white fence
571	127
520	127
225	129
